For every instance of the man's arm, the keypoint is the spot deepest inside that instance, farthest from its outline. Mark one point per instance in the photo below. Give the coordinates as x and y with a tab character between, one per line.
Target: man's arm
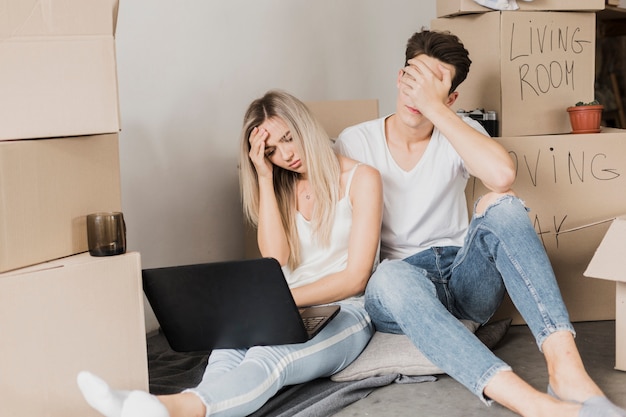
484	158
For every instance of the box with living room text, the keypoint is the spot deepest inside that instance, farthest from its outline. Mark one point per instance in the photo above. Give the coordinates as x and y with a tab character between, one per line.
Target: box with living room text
458	7
61	317
571	185
527	66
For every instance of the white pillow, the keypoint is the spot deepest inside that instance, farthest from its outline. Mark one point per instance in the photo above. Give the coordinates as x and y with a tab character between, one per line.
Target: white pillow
388	353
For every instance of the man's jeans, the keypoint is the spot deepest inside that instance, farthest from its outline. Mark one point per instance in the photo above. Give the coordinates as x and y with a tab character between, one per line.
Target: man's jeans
424	295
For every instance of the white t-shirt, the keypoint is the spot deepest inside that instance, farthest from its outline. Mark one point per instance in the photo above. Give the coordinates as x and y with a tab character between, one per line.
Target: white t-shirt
423	207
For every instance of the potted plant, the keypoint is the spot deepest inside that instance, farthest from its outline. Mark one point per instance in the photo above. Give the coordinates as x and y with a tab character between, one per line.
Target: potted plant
585	117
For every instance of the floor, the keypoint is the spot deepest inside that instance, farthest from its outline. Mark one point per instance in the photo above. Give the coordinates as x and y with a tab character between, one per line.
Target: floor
447	398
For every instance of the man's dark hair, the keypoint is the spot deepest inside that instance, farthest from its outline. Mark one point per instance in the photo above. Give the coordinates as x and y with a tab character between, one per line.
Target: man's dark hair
443	46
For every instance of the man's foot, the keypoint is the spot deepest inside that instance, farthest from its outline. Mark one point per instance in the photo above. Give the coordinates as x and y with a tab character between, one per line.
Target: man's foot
600	407
555	396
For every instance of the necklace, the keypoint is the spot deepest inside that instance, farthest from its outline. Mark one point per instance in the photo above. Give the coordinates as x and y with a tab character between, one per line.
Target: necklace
305	190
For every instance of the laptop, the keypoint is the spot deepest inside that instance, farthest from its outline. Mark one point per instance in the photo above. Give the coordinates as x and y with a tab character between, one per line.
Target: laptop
230	304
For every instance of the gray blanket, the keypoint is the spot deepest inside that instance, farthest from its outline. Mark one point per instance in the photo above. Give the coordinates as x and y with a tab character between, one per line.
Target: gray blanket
171	372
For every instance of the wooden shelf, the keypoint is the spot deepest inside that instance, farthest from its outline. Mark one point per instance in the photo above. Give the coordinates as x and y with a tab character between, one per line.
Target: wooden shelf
610	30
612	21
612	13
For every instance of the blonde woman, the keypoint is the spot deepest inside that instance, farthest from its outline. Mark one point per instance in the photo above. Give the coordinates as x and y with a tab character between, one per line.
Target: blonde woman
319	214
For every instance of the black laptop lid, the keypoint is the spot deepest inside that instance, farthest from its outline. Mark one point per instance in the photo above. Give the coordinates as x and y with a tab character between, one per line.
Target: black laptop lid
232	304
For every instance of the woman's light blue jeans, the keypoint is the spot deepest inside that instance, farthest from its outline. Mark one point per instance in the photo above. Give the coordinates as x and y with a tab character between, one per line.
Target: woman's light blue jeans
238	382
424	295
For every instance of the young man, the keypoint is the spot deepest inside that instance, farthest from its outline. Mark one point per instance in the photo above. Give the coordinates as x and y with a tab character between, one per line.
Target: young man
438	268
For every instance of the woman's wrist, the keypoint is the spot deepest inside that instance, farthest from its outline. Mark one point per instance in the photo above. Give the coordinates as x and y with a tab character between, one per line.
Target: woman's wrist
266	181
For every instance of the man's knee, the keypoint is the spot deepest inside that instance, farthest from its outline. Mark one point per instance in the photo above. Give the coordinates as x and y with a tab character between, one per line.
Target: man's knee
490	198
398	279
381	279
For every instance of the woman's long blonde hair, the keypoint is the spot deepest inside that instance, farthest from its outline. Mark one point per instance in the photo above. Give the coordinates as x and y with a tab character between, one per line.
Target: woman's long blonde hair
322	167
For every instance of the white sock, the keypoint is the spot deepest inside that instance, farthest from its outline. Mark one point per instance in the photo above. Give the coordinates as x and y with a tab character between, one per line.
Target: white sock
118	403
98	395
142	404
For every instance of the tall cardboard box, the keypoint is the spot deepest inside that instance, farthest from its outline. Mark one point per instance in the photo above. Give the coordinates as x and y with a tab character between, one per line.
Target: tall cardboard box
458	7
573	186
47	187
58	74
61	317
527	66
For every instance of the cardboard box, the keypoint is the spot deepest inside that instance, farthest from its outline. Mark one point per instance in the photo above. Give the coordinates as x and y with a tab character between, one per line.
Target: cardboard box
608	263
336	115
573	187
58	74
47	187
58	318
458	7
527	66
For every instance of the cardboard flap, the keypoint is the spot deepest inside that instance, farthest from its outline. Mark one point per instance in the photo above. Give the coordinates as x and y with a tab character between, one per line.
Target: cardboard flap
609	260
43	19
58	74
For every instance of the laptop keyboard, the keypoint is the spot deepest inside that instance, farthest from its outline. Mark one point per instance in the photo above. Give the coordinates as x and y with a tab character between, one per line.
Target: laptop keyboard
310	323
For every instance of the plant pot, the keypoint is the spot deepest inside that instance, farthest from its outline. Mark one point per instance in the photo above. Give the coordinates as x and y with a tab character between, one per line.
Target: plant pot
585	119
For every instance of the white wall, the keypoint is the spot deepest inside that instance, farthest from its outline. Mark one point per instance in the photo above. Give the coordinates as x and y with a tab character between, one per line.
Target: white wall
187	71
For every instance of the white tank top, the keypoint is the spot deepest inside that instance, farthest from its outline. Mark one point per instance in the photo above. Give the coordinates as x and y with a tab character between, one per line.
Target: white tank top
319	261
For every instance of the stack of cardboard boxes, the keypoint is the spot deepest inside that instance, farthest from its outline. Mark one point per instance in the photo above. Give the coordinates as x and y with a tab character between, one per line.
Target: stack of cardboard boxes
530	65
61	310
